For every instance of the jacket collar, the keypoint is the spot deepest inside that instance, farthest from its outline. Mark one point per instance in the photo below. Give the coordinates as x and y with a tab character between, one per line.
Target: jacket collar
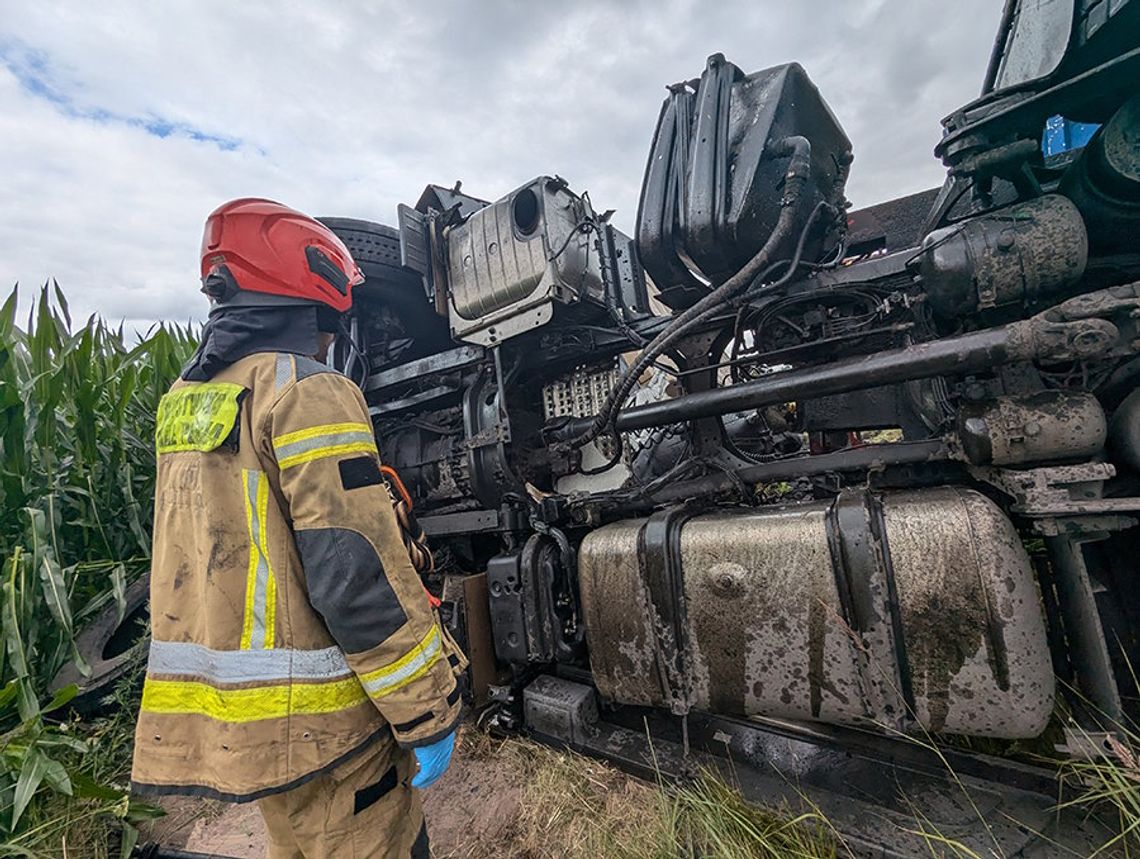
232	333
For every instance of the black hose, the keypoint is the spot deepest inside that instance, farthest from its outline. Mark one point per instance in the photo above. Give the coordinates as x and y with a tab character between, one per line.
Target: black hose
758	284
795	179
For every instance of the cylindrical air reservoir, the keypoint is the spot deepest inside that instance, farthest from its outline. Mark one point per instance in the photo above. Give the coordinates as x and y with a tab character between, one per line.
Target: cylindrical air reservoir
1017	255
1034	428
917	606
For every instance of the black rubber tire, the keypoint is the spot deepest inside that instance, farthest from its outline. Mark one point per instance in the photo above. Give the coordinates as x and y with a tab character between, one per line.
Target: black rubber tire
110	647
376	249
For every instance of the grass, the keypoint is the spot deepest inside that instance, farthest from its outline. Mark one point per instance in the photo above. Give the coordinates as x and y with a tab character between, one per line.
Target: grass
572	806
1110	783
98	820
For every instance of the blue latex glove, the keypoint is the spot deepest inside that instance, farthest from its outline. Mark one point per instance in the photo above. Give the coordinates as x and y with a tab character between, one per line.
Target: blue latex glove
433	761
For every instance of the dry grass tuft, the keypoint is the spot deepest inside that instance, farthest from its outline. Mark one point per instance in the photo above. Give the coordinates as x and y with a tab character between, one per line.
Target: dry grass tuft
573	806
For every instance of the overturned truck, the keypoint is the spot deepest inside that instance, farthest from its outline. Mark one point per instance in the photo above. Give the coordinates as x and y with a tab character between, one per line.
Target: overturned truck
773	477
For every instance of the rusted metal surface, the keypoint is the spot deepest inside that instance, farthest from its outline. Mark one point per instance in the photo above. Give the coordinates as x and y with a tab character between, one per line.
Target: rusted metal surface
480	646
890	226
924	607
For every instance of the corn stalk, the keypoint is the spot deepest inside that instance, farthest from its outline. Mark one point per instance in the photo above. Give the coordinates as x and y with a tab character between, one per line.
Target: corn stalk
77	407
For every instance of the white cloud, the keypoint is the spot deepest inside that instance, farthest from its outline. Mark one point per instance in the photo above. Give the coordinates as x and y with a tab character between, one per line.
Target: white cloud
350	108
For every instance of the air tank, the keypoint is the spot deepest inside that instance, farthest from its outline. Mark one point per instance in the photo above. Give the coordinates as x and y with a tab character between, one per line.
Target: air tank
1024	254
911	611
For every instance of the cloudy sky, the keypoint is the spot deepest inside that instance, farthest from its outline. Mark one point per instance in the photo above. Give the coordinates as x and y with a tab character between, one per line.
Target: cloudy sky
122	124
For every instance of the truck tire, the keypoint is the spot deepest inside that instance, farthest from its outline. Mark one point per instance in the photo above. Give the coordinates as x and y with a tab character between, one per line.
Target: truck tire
110	647
376	249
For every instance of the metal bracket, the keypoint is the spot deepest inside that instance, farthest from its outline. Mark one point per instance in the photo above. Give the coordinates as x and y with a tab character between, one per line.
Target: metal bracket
1088	745
1061	490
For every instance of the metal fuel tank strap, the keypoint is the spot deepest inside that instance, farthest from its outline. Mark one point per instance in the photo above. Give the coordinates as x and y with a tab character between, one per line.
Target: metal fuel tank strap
659	562
864	577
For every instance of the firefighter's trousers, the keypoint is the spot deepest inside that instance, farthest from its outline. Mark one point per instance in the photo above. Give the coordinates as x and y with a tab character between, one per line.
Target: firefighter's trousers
363	809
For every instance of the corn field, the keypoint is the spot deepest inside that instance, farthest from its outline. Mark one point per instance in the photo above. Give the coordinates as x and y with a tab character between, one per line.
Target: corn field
77	407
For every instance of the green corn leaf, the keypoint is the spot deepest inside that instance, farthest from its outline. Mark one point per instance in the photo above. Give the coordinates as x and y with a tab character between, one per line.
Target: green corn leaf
130	838
60	740
134	520
8	311
86	787
31	774
62	302
62	698
139	811
56	776
8	695
53	586
118	580
27	701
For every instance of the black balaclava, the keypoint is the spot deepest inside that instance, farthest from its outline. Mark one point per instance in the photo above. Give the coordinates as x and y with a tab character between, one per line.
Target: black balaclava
232	333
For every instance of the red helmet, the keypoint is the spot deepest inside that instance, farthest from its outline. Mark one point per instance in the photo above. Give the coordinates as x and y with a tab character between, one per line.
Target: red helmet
259	246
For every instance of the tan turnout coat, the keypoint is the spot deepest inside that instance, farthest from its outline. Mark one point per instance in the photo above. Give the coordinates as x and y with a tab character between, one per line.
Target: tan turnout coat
289	626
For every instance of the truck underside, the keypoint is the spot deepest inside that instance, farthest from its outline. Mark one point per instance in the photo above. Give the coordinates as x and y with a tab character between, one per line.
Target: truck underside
811	490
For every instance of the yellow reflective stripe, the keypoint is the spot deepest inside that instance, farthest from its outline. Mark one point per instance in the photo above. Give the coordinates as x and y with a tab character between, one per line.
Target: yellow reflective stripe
198	416
322	452
258	621
314	432
409	667
306	445
250	705
251	572
270	608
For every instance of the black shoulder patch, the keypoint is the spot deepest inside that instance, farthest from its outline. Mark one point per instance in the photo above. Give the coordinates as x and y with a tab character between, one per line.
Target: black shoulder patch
360	471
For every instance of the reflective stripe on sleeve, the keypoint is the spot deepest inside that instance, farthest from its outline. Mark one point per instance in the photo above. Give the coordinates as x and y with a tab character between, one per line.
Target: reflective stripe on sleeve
261	587
250	705
180	659
411	666
301	446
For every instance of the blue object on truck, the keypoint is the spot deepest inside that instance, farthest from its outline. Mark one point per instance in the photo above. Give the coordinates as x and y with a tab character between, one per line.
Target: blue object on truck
1063	135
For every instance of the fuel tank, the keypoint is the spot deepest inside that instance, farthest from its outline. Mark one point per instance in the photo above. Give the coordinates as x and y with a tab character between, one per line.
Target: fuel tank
907	611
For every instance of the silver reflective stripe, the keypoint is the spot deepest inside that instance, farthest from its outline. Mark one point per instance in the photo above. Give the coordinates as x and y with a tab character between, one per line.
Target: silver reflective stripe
335	439
259	602
245	666
387	680
284	370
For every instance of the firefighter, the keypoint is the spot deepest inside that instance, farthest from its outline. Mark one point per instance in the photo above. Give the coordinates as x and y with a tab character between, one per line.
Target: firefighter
296	659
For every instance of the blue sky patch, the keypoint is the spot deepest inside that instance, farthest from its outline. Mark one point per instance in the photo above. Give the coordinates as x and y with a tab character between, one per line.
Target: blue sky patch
33	70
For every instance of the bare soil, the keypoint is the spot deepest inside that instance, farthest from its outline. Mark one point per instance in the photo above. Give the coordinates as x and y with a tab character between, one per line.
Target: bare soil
472	811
